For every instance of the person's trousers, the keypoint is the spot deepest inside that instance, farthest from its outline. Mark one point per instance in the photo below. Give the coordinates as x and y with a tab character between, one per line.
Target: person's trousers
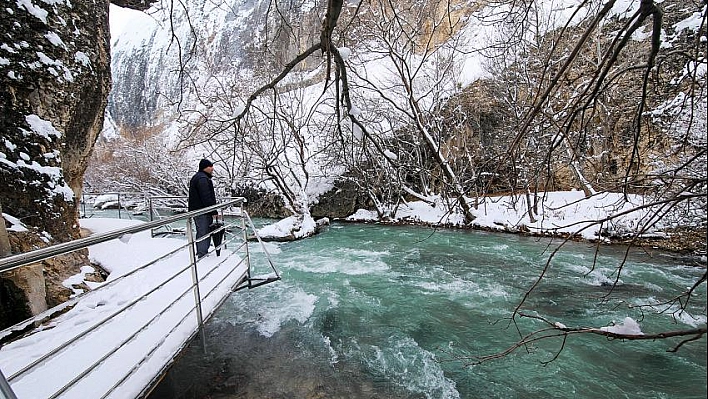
202	222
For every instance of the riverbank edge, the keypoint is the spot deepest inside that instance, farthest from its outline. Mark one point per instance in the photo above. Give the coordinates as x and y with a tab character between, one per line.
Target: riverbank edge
682	242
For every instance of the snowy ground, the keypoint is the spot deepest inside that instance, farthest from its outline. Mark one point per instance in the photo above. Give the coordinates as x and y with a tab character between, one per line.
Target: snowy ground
604	216
563	212
138	331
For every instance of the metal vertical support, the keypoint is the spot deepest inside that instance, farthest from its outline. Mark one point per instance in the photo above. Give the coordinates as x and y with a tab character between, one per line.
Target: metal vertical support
119	206
195	281
150	208
152	231
248	254
5	388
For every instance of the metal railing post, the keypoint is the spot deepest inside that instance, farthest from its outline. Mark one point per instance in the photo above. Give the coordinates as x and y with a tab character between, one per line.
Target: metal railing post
195	281
21	259
150	208
119	206
152	231
248	254
5	388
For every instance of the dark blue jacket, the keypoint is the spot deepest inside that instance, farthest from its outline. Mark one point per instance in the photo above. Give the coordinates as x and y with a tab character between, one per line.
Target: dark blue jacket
201	192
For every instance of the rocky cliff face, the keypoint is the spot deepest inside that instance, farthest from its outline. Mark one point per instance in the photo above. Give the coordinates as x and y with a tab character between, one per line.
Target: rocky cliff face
54	71
55	78
165	60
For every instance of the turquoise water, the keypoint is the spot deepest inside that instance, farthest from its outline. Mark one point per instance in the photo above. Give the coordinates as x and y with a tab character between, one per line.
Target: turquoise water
367	311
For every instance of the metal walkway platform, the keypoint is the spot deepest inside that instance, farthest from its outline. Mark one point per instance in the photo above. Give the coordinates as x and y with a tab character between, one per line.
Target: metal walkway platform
117	341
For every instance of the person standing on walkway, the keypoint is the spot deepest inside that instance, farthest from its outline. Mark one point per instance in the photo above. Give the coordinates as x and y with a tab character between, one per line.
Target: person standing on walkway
201	195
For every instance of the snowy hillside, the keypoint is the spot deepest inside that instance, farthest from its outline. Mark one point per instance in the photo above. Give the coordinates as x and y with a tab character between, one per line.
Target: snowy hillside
186	74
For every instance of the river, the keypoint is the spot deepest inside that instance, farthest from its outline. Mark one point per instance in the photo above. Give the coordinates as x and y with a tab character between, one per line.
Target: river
368	311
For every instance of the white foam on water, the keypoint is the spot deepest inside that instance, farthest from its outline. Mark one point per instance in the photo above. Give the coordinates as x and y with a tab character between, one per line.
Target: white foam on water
691	320
683	276
333	297
493	290
412	254
333	356
344	261
360	297
359	253
653	287
364	267
595	277
467	289
268	310
449	284
272	248
430	286
314	265
408	365
673	311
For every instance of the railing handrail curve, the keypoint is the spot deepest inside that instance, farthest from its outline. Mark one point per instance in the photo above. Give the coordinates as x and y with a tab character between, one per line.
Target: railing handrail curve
31	257
19	260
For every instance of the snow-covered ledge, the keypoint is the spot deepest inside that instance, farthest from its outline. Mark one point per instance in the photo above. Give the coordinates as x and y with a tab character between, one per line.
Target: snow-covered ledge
293	228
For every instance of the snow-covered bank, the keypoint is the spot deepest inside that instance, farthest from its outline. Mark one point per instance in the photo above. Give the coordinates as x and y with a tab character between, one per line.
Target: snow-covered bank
292	228
609	217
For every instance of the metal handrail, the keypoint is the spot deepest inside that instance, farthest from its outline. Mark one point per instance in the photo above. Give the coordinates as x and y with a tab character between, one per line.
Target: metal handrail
125	340
252	282
20	260
270	261
153	210
15	261
150	202
118	194
5	389
93	327
49	312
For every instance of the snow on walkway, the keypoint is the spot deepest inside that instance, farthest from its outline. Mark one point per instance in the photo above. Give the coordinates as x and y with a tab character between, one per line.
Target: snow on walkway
134	346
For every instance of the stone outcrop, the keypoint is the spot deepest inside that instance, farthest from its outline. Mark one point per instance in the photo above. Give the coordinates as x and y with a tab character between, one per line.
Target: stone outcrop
54	82
23	294
32	289
343	200
55	77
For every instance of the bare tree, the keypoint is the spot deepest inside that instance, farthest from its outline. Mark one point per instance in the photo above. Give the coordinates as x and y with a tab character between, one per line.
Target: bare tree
580	92
602	93
139	163
420	75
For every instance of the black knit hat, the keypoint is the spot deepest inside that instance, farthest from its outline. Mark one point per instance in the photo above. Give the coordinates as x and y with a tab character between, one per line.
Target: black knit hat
205	163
